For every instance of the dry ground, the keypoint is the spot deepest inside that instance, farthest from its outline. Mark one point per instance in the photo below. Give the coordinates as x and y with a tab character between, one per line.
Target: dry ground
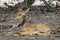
52	19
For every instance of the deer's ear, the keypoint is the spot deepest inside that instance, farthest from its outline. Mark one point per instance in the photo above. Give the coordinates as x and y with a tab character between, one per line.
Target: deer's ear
24	8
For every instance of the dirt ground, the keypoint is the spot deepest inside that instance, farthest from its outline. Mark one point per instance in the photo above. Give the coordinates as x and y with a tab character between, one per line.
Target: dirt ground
52	19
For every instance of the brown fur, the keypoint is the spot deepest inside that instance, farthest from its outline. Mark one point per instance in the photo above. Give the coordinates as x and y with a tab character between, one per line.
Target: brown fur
21	13
31	29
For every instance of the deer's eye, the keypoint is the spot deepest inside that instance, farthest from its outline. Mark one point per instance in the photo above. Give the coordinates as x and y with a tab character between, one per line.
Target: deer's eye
19	14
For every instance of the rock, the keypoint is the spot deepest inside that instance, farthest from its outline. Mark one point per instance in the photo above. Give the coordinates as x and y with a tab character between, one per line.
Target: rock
15	35
3	27
57	23
9	33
